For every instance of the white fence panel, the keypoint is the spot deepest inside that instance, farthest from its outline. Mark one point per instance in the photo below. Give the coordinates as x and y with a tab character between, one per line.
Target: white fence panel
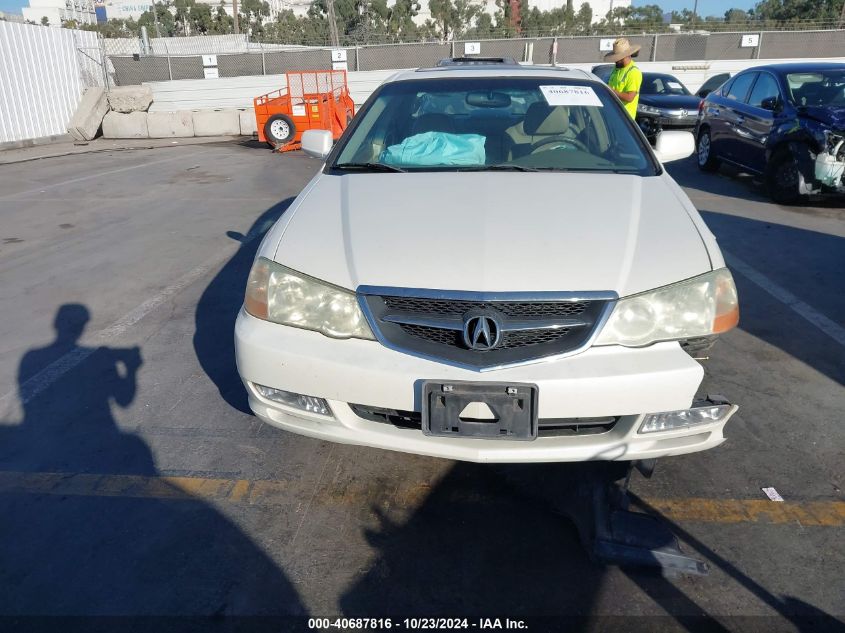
43	72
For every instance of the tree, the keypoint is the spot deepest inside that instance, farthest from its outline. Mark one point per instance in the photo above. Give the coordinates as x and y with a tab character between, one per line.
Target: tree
790	12
736	16
452	17
70	24
166	23
222	23
400	20
180	17
45	21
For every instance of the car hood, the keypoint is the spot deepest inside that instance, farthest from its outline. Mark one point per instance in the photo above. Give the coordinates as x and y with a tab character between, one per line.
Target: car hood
672	102
486	231
834	117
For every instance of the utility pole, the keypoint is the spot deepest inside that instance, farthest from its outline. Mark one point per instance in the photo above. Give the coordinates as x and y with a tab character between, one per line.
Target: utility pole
332	23
235	16
694	13
842	17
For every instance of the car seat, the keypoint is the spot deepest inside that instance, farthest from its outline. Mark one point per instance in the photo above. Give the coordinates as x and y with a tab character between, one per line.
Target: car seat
541	122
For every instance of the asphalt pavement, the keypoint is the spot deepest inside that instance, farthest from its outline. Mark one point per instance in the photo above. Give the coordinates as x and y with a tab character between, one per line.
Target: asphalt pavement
135	482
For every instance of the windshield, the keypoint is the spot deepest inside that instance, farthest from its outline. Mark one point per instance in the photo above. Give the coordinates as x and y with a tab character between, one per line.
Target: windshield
487	123
818	88
662	85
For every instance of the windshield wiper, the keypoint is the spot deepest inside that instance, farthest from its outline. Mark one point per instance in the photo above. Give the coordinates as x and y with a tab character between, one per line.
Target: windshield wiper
504	167
368	167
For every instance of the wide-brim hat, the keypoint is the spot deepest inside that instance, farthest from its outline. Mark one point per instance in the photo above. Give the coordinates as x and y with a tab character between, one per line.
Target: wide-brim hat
621	49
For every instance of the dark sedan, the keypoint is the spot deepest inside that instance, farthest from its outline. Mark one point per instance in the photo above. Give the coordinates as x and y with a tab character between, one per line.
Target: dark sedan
665	103
785	122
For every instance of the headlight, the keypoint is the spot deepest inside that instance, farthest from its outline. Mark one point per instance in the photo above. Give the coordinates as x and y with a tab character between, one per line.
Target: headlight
700	306
278	294
647	109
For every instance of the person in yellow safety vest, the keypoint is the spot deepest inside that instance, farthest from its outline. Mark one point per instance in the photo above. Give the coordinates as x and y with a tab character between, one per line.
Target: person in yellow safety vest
626	78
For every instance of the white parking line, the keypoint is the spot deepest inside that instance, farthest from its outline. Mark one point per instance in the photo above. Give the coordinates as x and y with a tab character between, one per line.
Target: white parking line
826	325
58	368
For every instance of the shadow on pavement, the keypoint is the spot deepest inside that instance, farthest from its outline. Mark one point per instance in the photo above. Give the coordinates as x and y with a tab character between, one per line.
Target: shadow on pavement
807	264
731	181
95	546
218	308
492	541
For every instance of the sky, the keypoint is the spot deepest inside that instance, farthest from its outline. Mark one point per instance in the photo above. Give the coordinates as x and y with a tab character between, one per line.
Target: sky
705	7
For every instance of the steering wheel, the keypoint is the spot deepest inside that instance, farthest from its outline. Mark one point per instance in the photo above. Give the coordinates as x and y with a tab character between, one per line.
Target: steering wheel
559	140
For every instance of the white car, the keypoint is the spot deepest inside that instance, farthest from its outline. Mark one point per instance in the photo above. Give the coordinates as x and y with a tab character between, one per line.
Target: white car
493	266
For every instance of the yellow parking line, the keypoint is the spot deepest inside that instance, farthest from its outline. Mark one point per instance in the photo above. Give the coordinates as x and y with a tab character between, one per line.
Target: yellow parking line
269	492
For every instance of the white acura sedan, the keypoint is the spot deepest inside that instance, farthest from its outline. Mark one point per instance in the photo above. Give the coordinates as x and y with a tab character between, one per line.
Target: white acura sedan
491	265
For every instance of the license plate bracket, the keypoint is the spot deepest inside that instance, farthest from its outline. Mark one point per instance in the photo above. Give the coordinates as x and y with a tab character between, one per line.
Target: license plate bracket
513	405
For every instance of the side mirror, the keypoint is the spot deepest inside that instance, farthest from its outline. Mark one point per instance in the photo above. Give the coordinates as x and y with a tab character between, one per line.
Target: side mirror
674	145
770	103
317	143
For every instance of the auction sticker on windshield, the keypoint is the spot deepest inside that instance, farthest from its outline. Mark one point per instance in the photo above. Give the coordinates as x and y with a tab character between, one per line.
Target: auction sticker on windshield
570	96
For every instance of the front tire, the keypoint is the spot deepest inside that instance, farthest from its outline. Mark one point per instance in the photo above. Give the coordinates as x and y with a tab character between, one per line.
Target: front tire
704	152
783	179
279	130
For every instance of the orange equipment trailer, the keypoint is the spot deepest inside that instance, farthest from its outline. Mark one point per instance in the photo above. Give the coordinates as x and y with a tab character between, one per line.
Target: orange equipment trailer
312	101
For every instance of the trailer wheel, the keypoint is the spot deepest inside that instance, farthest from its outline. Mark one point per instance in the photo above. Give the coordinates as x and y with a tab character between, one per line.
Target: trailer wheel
279	130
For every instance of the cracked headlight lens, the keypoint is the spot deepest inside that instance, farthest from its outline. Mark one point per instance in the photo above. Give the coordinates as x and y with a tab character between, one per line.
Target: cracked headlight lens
281	295
700	306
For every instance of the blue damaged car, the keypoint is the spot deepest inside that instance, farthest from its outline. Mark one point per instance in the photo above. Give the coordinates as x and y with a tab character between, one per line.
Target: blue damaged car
785	122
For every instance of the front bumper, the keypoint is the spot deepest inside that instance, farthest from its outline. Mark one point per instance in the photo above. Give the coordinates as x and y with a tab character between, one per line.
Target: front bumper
602	381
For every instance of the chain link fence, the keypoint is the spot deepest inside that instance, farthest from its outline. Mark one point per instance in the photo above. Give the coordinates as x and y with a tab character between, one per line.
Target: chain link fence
131	61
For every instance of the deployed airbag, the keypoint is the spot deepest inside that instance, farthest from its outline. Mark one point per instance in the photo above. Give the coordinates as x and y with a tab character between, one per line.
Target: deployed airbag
436	148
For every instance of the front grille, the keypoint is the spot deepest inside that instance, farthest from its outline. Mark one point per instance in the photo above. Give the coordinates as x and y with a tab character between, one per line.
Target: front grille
510	340
433	327
546	427
433	334
512	309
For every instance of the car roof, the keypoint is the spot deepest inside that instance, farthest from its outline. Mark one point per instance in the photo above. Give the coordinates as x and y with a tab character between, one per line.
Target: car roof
797	67
493	70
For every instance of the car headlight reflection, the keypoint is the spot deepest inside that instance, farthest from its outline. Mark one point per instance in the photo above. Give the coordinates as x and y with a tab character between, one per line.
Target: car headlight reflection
281	295
697	307
647	109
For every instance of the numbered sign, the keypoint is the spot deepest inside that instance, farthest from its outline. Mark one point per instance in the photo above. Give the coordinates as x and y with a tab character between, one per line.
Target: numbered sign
751	40
472	48
606	44
338	54
209	60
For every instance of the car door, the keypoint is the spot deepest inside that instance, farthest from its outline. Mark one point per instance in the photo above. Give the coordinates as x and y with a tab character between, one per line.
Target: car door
756	122
732	115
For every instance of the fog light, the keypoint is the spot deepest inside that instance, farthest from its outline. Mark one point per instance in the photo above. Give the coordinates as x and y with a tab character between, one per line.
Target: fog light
295	400
673	420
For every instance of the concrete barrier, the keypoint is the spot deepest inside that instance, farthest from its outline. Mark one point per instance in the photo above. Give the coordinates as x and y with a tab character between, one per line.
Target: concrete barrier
248	125
170	124
88	117
132	125
130	98
216	123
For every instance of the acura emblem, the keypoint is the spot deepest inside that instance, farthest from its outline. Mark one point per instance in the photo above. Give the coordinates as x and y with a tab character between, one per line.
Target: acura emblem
481	333
684	113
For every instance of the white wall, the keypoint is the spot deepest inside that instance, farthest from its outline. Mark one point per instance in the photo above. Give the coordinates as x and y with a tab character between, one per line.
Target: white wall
238	92
42	76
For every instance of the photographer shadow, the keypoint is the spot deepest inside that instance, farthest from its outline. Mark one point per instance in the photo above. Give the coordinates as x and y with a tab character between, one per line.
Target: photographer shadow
50	438
90	527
